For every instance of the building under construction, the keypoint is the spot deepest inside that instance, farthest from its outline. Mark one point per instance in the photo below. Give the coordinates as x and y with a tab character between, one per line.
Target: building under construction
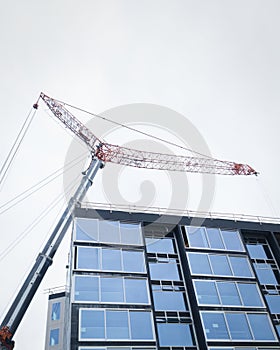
142	281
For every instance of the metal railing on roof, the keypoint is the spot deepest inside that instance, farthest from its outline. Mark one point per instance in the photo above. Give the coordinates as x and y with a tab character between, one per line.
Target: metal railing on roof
179	212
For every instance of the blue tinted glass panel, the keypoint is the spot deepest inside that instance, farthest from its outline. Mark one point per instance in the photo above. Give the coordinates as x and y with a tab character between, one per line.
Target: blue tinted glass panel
86	288
88	258
141	325
265	274
215	325
111	259
131	234
109	231
214	238
273	302
197	237
206	293
112	289
160	245
240	266
228	293
54	337
133	261
249	294
238	326
232	240
278	329
92	324
256	251
169	301
220	265
136	291
199	263
261	327
174	334
86	229
164	271
55	311
117	325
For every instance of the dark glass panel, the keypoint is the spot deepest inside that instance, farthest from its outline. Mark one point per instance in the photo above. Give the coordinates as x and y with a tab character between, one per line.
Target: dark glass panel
199	264
175	334
220	265
206	293
215	325
86	288
261	327
117	325
238	326
141	325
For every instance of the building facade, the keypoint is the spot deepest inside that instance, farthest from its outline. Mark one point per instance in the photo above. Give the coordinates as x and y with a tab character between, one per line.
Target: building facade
142	281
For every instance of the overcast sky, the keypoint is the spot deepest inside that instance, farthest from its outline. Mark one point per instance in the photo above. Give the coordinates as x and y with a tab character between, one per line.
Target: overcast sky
214	63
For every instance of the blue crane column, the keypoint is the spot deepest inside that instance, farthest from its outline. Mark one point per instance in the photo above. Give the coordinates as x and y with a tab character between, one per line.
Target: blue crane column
45	258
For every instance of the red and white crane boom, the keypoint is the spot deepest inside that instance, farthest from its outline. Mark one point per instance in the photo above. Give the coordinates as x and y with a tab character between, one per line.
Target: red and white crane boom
142	159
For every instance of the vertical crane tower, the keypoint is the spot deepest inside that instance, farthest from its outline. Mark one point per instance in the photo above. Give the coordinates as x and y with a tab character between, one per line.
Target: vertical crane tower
102	152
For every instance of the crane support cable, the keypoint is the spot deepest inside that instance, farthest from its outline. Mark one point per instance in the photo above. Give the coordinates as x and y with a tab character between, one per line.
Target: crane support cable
37	220
18	141
35	188
133	129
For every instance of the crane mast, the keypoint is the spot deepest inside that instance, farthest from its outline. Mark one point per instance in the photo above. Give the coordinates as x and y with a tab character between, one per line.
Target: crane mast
101	152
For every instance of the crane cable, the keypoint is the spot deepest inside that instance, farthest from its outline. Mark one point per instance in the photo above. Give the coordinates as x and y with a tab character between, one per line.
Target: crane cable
18	141
43	183
135	130
37	220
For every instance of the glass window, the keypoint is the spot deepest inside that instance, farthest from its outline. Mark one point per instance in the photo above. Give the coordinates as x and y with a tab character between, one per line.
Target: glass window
92	324
215	325
256	251
175	334
228	293
240	266
199	263
250	294
164	271
131	234
112	289
86	229
55	311
261	327
265	273
278	329
214	238
238	326
54	337
133	261
197	237
273	302
168	301
220	265
86	288
141	325
109	231
160	245
111	260
88	258
136	291
117	325
232	240
206	293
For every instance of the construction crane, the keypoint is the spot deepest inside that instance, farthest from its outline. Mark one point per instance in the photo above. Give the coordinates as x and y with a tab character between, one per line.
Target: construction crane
102	152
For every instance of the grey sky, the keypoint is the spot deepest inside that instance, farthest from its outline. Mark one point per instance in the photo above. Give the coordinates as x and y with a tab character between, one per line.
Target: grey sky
215	62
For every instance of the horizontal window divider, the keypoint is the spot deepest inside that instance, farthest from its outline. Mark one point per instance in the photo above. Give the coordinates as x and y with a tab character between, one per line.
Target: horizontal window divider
112	306
217	251
232	308
122	273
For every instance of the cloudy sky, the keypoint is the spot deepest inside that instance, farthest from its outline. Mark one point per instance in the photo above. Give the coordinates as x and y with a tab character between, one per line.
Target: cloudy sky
206	68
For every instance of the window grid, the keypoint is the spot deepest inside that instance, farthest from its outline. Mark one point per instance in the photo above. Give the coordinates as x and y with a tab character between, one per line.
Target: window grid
228	328
220	231
220	297
100	291
228	261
